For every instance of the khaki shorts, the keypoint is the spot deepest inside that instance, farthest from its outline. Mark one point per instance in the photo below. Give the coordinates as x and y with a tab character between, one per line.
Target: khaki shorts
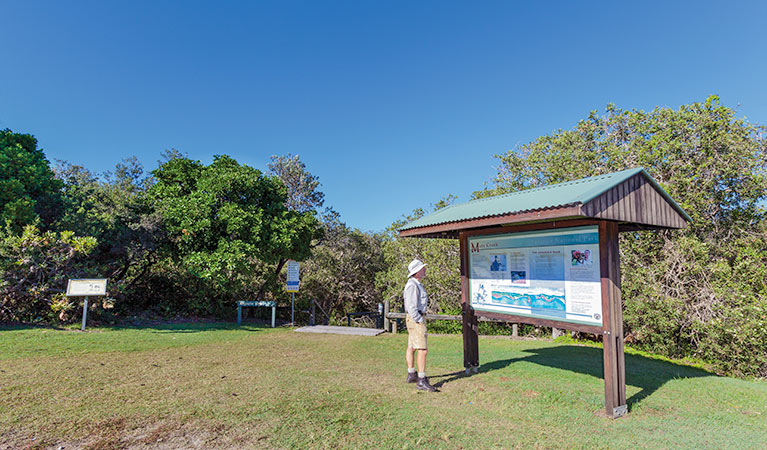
416	333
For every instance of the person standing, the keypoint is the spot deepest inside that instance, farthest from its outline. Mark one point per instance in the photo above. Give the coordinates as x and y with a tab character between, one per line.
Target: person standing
416	302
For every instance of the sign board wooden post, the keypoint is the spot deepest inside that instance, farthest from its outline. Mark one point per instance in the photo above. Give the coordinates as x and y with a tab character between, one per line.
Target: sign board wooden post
612	336
86	288
470	325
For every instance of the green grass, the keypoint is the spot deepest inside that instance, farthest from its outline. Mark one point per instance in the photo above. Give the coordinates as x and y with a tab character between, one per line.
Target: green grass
220	386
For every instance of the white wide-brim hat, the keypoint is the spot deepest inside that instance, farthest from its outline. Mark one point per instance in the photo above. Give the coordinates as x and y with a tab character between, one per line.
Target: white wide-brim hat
414	267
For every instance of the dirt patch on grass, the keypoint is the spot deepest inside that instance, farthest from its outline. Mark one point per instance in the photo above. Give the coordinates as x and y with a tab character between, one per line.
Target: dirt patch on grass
168	435
528	393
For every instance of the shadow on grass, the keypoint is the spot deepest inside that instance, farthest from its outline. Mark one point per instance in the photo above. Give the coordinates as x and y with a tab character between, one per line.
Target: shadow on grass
643	372
154	327
15	326
197	327
648	374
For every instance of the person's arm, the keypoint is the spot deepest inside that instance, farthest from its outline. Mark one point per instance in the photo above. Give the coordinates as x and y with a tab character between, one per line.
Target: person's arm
411	302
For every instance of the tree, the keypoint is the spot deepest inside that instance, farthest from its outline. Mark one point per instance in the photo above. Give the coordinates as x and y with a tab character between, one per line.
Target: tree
303	193
28	189
228	222
694	292
116	211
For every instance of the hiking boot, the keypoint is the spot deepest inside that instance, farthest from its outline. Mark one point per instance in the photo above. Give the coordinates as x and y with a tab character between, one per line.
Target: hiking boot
423	385
412	377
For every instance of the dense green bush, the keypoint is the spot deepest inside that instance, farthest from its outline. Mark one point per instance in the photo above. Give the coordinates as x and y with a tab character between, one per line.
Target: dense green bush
34	269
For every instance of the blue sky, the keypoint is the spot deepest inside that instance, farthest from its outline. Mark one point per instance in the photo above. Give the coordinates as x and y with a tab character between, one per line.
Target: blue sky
392	105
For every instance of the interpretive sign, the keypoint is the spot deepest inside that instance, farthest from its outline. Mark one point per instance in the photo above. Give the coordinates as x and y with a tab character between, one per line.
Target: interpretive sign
86	287
551	275
293	279
549	256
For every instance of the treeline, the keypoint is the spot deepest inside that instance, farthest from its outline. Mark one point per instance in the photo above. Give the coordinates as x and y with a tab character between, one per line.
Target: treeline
190	239
186	239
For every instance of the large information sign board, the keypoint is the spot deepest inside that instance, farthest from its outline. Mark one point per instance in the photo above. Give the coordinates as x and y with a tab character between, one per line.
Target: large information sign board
551	275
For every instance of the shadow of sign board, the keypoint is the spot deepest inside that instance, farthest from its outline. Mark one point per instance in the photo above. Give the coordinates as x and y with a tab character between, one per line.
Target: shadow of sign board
549	257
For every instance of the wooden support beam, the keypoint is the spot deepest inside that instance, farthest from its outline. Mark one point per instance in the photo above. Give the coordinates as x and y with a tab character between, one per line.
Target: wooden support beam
470	339
612	320
469	328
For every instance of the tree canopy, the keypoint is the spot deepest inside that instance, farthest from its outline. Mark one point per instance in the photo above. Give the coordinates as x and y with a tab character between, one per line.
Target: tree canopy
28	188
227	220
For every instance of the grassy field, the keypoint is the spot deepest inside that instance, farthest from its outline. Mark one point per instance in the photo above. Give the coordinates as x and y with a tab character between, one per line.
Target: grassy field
220	386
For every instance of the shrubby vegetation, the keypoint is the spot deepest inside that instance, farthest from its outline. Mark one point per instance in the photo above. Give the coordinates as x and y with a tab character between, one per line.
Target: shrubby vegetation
192	239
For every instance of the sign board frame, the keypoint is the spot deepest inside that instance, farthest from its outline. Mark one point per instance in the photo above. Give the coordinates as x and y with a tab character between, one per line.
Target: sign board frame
86	287
552	274
611	328
293	279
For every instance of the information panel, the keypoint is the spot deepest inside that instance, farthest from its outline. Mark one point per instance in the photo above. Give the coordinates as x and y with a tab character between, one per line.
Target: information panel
544	274
86	287
293	278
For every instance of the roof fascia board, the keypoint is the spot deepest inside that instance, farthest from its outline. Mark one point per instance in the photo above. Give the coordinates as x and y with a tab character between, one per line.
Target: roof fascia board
569	212
625	175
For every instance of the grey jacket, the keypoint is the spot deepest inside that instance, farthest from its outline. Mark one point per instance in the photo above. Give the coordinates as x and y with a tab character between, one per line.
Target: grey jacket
416	299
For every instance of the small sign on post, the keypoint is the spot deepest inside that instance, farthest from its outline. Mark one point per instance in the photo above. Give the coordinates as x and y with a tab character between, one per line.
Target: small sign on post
292	287
293	278
91	287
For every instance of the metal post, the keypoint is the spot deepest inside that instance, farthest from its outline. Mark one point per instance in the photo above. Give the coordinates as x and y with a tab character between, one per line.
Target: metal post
239	313
292	307
311	317
274	313
85	313
386	314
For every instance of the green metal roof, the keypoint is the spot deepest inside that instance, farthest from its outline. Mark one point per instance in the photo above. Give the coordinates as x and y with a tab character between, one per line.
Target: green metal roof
548	197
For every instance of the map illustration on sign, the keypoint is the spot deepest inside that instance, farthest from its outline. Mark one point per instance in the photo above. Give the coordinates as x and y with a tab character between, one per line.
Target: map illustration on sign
544	274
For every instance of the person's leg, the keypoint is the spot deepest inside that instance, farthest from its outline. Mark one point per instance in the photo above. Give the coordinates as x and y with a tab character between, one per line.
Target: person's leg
409	353
422	361
423	382
412	376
